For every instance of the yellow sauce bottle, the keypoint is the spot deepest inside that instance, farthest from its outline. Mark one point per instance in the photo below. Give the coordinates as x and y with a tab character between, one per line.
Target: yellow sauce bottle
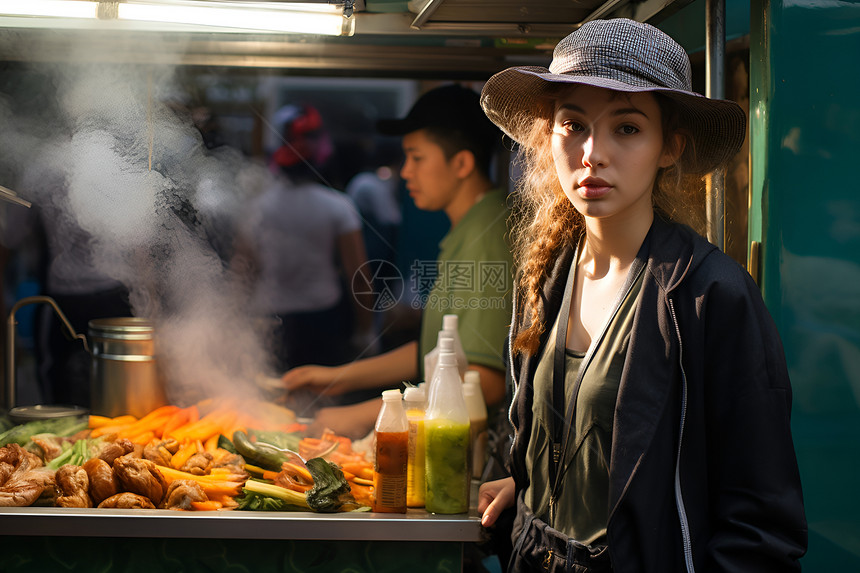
414	401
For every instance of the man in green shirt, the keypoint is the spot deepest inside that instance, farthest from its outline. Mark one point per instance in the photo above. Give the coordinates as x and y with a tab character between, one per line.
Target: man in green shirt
449	144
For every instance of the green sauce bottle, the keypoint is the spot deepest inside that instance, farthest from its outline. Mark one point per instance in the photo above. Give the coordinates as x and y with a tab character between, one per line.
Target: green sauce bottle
446	441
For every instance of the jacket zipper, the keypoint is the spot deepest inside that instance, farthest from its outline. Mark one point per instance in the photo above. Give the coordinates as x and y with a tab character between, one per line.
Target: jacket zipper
679	498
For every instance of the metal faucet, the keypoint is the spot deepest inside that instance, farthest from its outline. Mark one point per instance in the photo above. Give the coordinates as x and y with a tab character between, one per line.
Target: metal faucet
10	340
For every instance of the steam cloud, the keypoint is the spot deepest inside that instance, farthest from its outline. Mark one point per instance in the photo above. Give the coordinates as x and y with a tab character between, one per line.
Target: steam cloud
113	156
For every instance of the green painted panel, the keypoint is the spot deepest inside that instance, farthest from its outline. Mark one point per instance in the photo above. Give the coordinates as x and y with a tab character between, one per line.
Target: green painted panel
687	25
805	129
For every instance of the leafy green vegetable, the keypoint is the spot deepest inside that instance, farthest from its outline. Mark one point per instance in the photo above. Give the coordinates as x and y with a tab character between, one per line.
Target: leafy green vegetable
75	455
253	501
271	497
21	433
331	491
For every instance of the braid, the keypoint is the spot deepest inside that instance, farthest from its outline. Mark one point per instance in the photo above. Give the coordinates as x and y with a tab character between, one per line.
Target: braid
547	222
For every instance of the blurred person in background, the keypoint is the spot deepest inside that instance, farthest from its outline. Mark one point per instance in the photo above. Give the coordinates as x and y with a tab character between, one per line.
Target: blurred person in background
300	246
449	144
68	271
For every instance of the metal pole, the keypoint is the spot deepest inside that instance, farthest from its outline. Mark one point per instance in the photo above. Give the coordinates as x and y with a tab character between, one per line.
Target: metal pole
715	87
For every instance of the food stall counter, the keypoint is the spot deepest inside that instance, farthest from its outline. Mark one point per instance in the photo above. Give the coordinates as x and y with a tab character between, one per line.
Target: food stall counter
414	525
131	541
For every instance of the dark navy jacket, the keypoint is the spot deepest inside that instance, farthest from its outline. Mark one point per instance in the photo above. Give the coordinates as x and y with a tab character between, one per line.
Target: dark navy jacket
703	474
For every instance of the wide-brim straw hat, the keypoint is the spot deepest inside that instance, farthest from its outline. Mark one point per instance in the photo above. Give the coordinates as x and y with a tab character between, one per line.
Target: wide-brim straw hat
626	56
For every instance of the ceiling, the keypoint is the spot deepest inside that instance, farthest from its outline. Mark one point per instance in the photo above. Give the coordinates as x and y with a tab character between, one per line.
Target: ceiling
421	38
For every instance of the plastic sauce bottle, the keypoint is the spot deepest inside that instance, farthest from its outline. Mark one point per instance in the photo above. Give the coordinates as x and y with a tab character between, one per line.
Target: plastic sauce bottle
450	323
444	340
445	344
450	329
477	408
446	435
415	402
392	451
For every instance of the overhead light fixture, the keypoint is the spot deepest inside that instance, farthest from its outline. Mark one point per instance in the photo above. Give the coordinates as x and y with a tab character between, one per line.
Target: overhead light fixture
285	17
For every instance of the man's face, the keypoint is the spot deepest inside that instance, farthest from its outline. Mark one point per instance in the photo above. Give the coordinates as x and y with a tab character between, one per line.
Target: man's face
430	178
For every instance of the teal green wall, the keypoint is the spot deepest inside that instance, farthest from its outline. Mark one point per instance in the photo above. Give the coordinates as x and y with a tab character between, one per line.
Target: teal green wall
687	25
805	129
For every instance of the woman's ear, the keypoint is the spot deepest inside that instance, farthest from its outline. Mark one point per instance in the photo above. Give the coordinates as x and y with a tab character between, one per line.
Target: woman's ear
463	163
673	150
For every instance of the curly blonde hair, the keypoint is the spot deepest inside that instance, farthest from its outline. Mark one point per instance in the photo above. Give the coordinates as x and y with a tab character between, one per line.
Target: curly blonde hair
545	220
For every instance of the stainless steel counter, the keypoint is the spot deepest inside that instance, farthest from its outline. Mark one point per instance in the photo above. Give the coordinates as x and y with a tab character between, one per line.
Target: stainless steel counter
415	525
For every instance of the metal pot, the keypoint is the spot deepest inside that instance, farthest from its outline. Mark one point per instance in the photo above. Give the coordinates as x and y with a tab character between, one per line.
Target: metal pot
125	377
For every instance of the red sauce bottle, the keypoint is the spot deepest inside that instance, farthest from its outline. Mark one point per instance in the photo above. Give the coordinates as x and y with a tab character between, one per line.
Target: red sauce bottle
392	454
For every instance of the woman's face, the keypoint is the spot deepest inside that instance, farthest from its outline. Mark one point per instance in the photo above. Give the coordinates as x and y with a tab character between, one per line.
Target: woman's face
607	147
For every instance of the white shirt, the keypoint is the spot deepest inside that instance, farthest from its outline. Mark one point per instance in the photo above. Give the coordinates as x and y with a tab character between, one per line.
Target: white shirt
294	232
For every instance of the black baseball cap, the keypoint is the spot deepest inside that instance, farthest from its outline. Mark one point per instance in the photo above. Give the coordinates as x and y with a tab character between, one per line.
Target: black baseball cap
451	106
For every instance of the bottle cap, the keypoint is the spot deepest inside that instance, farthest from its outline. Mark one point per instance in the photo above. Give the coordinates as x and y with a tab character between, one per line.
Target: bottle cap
414	394
391	396
446	344
447	358
449	322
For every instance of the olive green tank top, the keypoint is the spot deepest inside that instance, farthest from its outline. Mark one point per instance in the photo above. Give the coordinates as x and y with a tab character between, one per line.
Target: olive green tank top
582	508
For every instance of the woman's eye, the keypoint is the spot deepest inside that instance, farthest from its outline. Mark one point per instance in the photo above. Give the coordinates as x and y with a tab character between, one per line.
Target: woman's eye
573	126
628	129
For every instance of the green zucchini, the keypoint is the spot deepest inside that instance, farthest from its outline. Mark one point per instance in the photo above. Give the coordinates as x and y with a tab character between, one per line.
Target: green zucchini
263	455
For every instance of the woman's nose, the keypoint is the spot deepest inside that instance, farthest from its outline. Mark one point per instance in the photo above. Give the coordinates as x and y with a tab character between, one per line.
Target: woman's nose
593	153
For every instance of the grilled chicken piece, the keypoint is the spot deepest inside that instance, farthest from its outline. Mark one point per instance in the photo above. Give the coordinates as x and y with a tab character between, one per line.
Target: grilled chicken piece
224	459
140	476
51	447
74	487
181	493
127	500
27	479
113	450
5	471
198	464
103	482
155	451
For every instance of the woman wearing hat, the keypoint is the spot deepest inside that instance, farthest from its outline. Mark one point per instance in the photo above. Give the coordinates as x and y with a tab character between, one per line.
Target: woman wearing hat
651	397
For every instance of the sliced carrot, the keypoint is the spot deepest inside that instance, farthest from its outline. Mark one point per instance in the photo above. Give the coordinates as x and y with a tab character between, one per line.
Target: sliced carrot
210	505
105	430
362	494
153	421
362	469
143	438
362	481
99	421
211	443
181	456
177	420
297	470
212	488
193	413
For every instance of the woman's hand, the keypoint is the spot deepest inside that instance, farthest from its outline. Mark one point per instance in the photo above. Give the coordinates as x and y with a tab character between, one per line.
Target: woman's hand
325	380
495	497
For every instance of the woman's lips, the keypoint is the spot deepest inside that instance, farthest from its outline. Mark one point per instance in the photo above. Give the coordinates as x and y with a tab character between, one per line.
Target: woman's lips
593	188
